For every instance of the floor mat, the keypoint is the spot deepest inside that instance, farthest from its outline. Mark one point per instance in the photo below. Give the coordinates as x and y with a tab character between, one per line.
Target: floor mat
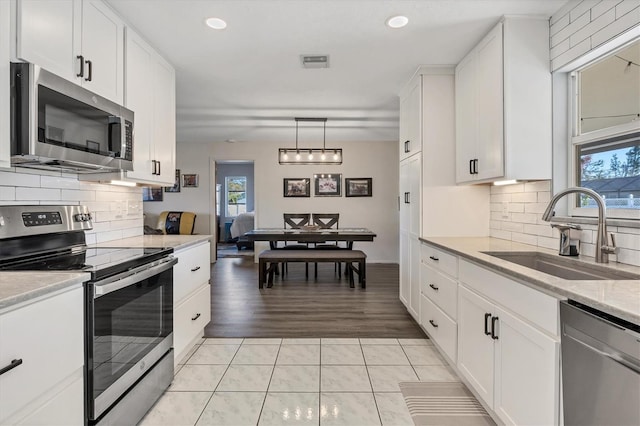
443	403
231	250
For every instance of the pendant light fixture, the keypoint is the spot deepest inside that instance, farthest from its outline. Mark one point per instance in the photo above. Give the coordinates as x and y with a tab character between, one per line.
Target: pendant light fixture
322	155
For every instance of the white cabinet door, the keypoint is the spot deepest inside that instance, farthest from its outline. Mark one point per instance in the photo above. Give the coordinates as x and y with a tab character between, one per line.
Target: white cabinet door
5	45
411	114
102	48
475	347
45	35
466	118
79	40
150	94
489	90
526	379
414	280
405	272
164	123
415	195
138	90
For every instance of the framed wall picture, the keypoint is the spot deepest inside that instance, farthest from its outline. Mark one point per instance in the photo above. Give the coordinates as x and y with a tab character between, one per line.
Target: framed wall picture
328	185
151	194
176	185
297	187
358	187
189	181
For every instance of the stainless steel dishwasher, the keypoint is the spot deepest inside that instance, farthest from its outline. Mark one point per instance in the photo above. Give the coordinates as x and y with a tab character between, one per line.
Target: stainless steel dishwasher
600	367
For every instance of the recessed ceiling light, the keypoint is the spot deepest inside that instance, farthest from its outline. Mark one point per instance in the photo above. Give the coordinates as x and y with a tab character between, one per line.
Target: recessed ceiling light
397	21
216	23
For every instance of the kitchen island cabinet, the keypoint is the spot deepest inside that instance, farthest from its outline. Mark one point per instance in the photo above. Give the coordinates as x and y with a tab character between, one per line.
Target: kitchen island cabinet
503	105
43	340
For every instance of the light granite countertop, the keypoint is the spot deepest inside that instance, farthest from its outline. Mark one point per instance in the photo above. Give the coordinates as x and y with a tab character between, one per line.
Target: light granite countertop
620	298
145	241
16	288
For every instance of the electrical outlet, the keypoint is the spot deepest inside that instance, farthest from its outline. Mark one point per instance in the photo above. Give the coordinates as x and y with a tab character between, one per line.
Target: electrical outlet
505	210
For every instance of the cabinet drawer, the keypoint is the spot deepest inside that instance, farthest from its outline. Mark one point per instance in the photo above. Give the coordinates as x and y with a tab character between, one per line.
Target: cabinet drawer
442	329
190	317
191	271
48	336
441	289
440	260
533	305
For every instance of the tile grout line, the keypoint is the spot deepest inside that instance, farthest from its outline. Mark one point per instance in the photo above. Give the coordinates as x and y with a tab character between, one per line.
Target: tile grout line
320	382
273	370
366	366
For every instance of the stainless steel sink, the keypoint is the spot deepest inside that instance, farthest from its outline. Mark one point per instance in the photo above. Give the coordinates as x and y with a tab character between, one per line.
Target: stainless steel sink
562	267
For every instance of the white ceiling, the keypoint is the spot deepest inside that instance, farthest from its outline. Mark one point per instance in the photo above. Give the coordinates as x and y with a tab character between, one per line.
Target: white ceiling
246	83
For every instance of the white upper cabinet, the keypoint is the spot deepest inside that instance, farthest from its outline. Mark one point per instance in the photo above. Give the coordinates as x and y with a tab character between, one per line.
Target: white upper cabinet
503	105
79	40
410	120
150	94
4	79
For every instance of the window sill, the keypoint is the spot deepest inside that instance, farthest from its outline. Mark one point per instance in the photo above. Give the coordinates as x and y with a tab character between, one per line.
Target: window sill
623	223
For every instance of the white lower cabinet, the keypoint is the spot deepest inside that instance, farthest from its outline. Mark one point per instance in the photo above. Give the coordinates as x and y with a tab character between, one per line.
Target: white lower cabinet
191	297
47	336
442	329
512	365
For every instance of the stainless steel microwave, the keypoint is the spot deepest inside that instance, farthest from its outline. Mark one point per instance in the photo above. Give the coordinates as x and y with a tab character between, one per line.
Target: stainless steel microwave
56	124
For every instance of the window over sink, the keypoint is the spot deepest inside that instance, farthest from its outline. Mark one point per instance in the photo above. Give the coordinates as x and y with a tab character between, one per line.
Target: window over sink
606	133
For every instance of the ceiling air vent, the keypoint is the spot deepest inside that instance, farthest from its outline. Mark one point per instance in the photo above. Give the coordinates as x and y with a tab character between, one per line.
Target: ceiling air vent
315	61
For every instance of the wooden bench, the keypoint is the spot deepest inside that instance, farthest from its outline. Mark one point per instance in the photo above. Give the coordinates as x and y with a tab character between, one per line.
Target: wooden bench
269	259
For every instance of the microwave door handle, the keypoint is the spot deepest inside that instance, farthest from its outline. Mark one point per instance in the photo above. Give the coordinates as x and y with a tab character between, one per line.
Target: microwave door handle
131	277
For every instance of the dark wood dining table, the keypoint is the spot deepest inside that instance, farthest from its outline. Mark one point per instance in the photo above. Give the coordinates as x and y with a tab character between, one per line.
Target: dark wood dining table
273	235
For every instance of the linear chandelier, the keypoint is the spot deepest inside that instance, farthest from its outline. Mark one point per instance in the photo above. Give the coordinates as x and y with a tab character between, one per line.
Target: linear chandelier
322	155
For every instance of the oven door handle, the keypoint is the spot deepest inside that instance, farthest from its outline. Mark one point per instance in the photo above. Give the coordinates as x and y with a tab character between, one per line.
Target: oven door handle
132	276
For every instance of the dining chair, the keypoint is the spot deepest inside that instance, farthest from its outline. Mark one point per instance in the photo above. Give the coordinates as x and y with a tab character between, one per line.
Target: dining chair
294	221
327	221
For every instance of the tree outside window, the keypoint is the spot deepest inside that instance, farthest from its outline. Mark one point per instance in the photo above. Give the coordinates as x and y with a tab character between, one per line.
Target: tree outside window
236	188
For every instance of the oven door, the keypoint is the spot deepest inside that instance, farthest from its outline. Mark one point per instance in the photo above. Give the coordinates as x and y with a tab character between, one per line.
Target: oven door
129	328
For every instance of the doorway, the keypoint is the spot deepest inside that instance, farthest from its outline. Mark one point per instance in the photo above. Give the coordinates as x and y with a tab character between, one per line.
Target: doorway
234	206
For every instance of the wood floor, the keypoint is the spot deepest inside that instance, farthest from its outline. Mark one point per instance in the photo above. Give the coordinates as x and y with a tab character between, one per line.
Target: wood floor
297	307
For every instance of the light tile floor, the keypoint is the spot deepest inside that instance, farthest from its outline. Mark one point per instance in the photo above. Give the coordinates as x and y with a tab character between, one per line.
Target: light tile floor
297	381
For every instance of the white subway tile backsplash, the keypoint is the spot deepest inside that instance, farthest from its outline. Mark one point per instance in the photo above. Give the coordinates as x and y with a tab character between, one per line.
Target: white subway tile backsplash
582	8
500	197
40	194
595	25
622	24
117	210
564	11
571	54
602	7
625	7
574	26
524	238
561	23
7	193
15	179
524	197
528	227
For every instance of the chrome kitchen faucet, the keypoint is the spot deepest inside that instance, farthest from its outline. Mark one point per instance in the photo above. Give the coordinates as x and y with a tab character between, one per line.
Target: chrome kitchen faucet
603	249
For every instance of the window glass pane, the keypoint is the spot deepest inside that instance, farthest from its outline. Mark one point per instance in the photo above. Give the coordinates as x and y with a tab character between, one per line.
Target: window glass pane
236	195
609	92
612	169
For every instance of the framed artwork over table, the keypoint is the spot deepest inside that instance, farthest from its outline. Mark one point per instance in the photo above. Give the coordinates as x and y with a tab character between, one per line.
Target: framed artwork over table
328	185
358	187
297	187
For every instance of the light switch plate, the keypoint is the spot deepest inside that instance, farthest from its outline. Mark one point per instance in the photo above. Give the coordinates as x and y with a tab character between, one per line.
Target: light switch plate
505	210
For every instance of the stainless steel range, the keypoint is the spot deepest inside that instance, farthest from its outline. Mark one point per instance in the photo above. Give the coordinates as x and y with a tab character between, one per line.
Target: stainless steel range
128	305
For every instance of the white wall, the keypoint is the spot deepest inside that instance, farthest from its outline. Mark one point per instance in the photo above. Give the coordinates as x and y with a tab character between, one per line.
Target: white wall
117	210
378	160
